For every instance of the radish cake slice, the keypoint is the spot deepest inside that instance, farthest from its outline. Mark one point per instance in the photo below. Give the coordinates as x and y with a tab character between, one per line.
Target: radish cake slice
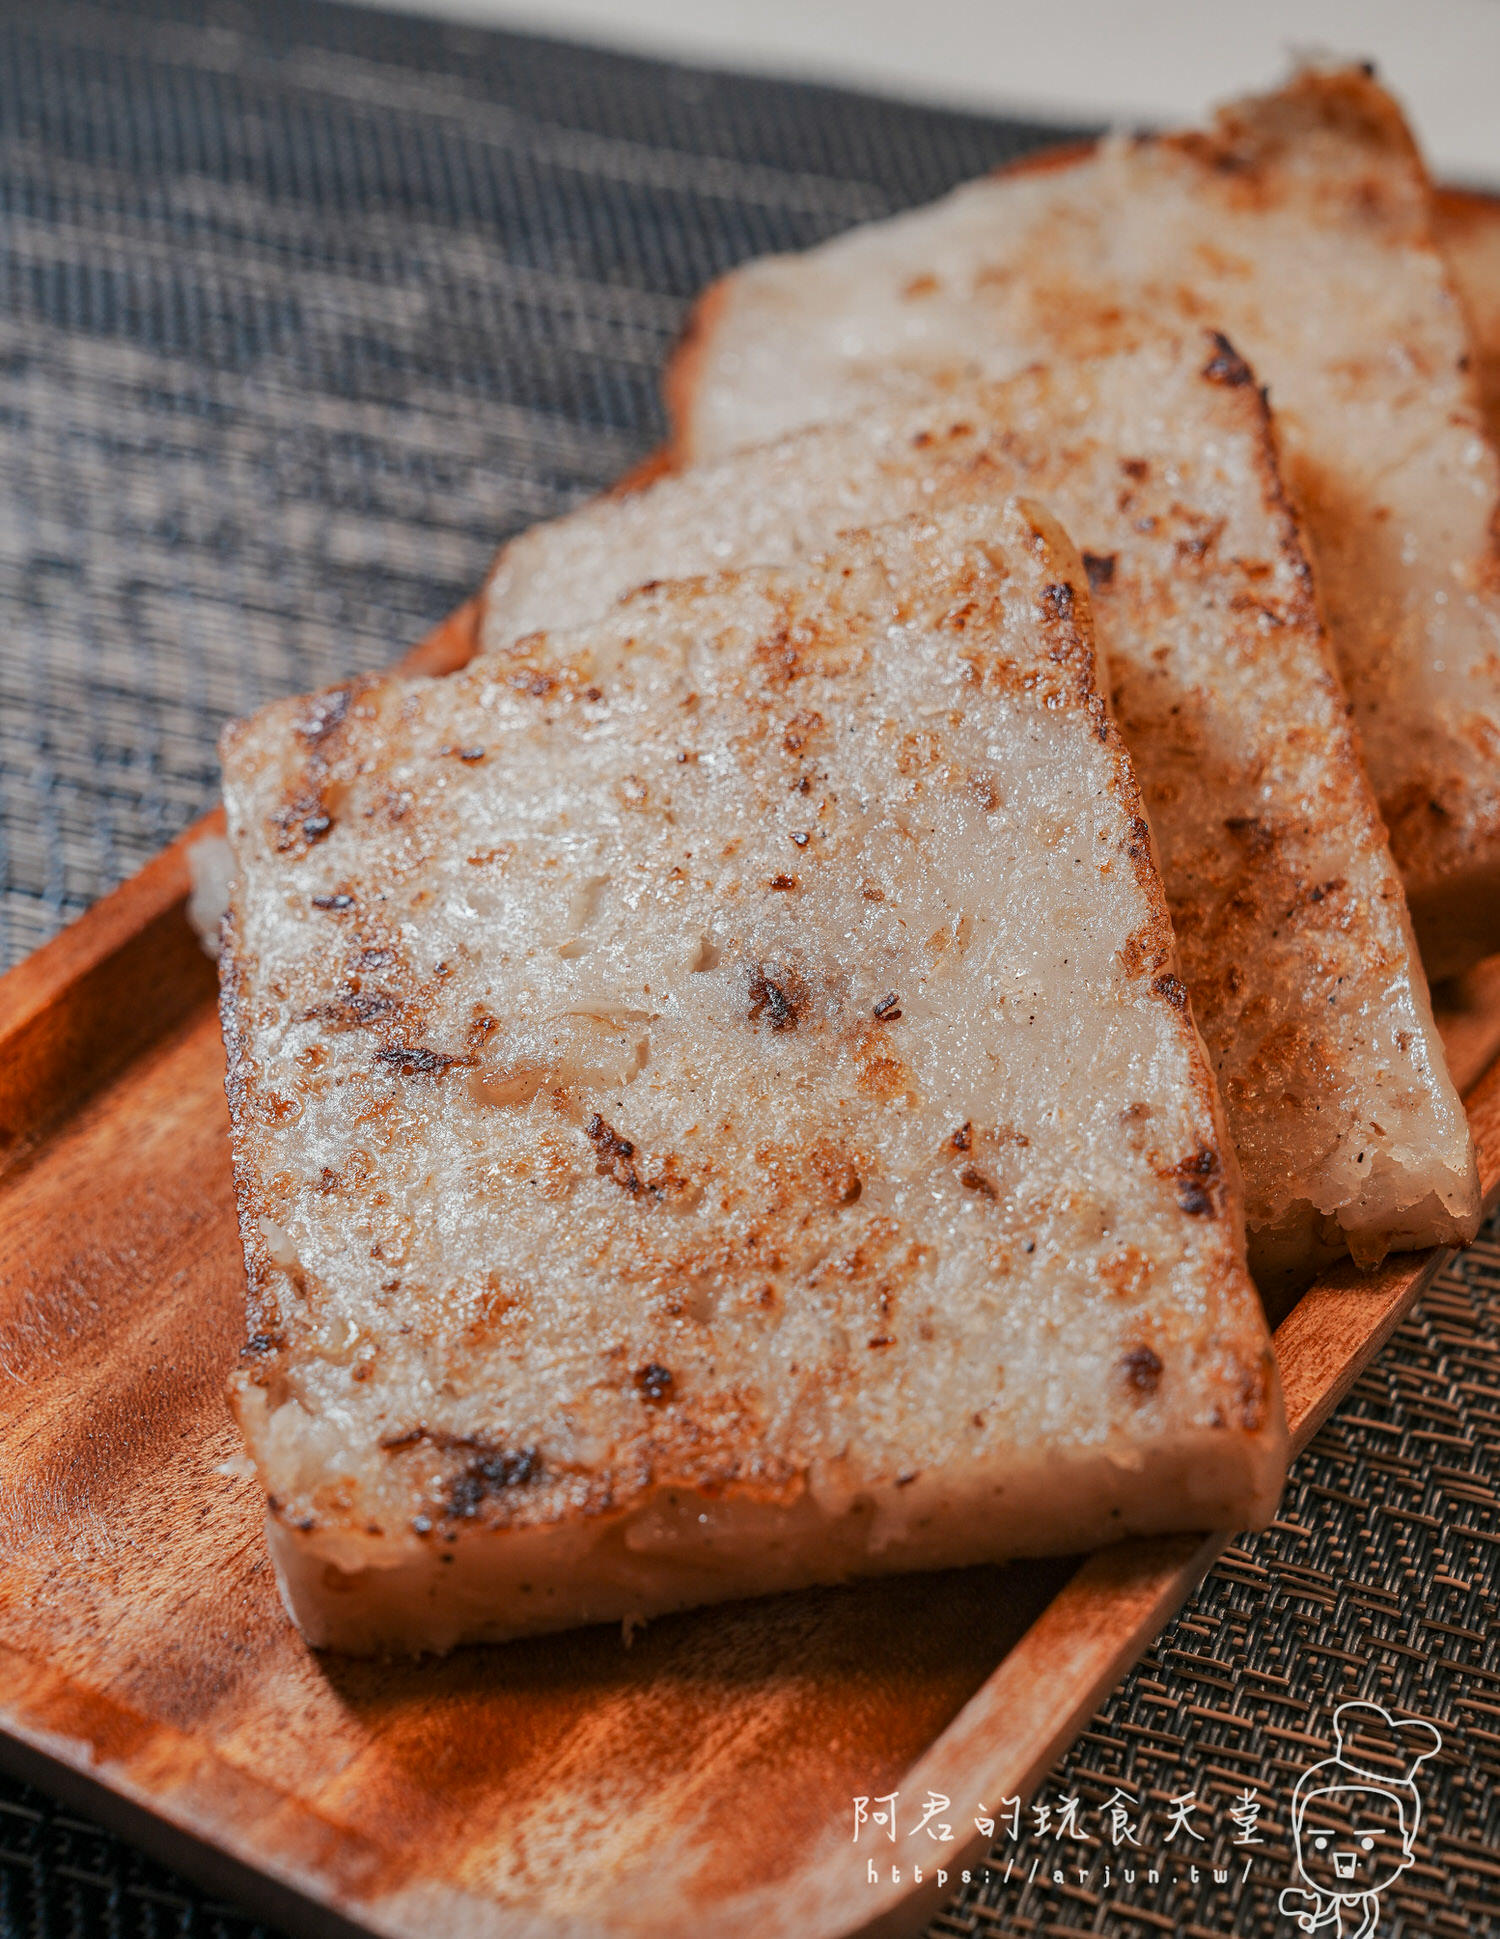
716	1110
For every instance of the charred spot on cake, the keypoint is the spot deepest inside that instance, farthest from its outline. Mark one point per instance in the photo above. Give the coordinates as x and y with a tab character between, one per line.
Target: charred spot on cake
655	1383
1058	600
1142	1370
1100	567
778	996
354	1008
1199	541
534	682
615	1155
491	1471
963	1137
1226	365
418	1060
1172	989
481	1024
1195	1176
488	1467
888	1009
301	823
1138	842
973	1180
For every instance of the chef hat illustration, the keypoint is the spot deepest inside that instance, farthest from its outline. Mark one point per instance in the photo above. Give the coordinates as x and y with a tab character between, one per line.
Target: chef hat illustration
1368	1741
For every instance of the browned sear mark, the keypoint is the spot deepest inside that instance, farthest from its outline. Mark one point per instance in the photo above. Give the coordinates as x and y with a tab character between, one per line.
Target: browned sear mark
1194	1177
615	1155
1142	1370
1100	567
491	1470
888	1009
780	999
303	819
1226	365
963	1137
655	1383
416	1060
974	1180
1058	600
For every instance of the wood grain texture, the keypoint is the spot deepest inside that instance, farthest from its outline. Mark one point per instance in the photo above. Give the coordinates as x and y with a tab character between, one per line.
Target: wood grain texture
698	1780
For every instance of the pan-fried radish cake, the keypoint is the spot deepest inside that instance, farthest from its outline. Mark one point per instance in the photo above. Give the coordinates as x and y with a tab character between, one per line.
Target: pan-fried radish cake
1300	224
1289	912
716	1109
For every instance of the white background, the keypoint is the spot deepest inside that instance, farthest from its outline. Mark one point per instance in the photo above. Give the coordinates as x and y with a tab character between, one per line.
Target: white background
1089	60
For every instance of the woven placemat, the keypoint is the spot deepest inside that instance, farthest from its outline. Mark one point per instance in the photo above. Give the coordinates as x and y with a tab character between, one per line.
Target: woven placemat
302	309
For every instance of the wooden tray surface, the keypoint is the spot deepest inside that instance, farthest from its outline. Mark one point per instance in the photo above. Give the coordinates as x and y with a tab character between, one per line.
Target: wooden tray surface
700	1779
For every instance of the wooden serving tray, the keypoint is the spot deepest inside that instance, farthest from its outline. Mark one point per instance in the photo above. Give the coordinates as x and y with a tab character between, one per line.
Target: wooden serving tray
699	1780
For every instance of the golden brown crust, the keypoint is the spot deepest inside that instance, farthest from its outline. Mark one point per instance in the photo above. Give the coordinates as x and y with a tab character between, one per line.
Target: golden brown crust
1468	233
680	379
263	1314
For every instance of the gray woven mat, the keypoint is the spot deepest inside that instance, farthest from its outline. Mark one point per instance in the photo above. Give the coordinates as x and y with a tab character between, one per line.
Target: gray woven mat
301	311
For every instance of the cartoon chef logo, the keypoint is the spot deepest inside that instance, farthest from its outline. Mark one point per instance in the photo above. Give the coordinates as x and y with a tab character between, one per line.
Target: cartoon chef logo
1355	1819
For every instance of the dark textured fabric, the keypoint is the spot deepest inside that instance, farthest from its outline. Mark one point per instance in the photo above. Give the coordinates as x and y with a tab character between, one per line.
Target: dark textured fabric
301	311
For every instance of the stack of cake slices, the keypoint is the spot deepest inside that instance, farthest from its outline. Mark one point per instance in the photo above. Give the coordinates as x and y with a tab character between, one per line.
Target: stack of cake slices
816	1052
